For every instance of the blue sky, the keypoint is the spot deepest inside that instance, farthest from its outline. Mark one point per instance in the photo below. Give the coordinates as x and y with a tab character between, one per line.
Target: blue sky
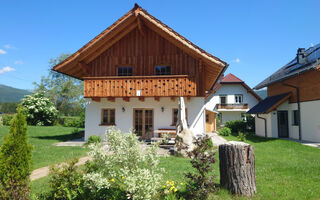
254	37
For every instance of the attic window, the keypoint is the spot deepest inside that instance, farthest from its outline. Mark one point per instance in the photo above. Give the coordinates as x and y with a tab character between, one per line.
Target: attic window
124	71
163	70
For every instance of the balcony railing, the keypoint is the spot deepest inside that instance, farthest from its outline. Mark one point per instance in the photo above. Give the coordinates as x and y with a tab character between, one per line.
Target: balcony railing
144	86
232	106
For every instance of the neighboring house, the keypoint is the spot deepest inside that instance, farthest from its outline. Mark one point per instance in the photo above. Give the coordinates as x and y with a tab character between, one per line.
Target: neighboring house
292	108
134	72
230	98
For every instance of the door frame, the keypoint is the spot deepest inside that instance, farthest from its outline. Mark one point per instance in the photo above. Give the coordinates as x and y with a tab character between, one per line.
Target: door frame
278	120
143	120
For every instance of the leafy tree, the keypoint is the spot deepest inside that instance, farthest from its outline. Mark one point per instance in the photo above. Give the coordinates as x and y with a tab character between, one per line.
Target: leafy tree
15	160
8	107
39	110
64	91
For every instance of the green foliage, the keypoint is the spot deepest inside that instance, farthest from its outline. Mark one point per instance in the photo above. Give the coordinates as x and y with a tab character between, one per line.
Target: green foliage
251	123
64	91
67	121
39	110
66	182
6	119
225	131
15	160
236	126
93	139
8	107
129	170
241	136
201	182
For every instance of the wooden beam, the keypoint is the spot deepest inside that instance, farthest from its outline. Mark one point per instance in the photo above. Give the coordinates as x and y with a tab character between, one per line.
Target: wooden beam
111	99
96	99
173	98
141	98
157	98
127	99
85	68
140	26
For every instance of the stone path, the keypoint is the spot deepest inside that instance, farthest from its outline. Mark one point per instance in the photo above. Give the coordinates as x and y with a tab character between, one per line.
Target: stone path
44	171
217	139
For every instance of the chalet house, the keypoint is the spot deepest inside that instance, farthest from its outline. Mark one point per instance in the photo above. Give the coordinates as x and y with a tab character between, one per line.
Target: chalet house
134	72
292	108
230	99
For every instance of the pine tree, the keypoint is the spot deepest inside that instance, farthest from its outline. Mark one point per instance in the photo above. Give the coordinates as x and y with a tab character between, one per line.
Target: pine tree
15	160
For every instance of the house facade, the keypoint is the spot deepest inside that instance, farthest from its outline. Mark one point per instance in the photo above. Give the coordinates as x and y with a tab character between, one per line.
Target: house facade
134	72
292	108
230	99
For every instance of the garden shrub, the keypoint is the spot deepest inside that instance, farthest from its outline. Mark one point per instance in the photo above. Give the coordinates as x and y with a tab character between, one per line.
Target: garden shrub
225	131
128	171
251	123
6	119
71	121
66	182
236	126
15	160
39	110
94	139
201	182
241	136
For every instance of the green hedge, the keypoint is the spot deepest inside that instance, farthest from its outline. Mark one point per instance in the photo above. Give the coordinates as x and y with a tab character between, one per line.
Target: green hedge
66	121
236	126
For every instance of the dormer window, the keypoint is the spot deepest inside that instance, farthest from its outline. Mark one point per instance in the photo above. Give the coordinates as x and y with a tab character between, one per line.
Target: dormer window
124	71
163	70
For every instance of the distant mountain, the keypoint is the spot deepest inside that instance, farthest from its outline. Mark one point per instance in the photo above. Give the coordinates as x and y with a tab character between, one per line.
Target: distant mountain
262	93
10	94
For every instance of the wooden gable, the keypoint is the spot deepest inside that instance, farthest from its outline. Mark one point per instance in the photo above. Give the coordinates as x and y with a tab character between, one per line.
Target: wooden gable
139	40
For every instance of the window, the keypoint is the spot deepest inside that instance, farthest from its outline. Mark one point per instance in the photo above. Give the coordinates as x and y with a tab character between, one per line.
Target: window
108	117
295	118
223	99
238	98
163	70
175	116
124	71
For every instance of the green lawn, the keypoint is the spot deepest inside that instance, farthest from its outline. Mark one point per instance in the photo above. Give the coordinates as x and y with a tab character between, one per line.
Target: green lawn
284	170
42	138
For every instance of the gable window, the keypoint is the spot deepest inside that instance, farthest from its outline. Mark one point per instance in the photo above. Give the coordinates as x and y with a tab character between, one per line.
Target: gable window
124	71
163	70
108	116
238	98
175	116
223	99
295	118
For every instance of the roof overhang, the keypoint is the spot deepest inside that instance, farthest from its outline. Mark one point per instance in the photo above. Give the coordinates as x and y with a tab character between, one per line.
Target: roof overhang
269	104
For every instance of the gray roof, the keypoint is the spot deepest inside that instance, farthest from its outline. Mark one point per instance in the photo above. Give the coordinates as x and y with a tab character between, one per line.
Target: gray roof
265	105
294	68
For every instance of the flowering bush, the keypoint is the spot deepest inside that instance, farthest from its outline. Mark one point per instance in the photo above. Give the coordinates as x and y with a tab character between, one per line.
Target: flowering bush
39	110
170	191
124	167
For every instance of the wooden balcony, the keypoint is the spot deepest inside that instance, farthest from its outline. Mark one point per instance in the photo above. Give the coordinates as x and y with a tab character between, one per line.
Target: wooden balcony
140	86
232	106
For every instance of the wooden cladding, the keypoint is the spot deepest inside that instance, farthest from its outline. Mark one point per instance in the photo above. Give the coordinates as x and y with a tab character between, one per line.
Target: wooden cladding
143	86
232	106
308	83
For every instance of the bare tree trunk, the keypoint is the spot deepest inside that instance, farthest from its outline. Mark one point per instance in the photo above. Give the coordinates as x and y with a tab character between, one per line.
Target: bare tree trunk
237	168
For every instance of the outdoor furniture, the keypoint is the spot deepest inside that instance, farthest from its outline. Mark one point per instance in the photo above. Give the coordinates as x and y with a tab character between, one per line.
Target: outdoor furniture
170	132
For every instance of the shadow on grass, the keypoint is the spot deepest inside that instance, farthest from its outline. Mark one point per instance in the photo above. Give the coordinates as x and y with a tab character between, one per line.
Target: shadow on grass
62	138
251	137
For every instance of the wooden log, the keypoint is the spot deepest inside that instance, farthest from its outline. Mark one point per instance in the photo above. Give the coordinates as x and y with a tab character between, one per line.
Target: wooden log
237	168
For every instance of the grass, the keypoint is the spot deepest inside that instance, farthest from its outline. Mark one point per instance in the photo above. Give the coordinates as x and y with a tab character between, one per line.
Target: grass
284	170
42	138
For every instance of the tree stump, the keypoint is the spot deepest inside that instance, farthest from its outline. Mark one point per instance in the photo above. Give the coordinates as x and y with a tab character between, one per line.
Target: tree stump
237	168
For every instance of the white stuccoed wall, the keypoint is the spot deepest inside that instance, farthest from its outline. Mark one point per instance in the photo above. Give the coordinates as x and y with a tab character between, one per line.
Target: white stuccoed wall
124	120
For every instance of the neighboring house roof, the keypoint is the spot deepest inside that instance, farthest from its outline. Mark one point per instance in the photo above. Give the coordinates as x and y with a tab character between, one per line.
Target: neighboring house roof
294	68
75	65
269	104
232	79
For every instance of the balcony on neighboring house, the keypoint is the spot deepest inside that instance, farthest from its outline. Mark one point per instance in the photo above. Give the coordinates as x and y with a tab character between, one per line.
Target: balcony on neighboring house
141	86
232	107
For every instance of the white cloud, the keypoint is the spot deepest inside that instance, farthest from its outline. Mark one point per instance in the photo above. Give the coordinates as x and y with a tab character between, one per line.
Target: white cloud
2	51
18	62
237	60
9	46
6	69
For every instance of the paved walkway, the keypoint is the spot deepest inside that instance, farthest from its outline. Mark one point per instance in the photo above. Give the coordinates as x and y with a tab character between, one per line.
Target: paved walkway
44	171
217	139
303	142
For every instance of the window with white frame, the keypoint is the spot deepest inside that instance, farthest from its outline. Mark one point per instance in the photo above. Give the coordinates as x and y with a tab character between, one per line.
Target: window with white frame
238	98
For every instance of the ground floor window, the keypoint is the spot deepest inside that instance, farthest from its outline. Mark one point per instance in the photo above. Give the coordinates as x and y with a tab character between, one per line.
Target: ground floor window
108	116
175	116
295	118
